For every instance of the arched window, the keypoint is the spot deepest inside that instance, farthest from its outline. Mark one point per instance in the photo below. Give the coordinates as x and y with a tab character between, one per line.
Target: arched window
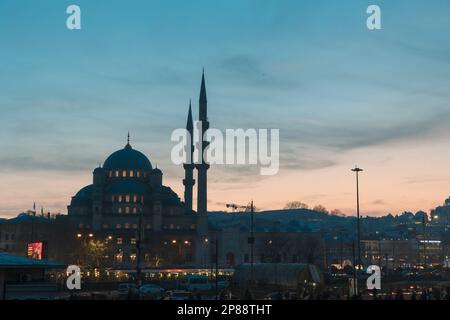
138	174
112	199
135	198
117	173
119	210
131	173
120	199
124	173
134	210
127	198
127	209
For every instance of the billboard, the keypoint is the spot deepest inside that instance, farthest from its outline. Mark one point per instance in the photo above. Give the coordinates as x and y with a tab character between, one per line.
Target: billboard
36	250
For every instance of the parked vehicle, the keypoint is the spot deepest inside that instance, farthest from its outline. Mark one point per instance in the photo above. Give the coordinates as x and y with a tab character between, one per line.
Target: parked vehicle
197	283
151	291
127	290
179	295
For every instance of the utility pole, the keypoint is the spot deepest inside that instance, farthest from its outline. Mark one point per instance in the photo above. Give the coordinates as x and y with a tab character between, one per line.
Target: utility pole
358	230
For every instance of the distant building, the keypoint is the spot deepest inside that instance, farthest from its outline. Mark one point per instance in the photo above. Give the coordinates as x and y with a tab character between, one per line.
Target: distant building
441	214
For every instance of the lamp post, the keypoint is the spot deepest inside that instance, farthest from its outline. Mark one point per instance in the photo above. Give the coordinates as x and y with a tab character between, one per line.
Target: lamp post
358	230
358	263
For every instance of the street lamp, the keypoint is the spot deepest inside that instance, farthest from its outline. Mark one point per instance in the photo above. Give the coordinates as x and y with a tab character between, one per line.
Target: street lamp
358	230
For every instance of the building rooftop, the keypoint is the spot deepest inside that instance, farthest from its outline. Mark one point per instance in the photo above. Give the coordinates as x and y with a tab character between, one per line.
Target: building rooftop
8	261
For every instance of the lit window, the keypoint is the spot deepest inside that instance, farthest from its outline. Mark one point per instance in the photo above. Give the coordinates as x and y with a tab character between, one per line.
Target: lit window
119	210
124	173
133	257
133	241
131	173
127	226
138	174
119	257
127	198
112	199
134	210
135	198
127	209
118	226
120	199
119	241
117	173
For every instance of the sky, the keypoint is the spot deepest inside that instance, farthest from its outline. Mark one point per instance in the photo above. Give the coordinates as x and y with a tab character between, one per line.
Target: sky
341	95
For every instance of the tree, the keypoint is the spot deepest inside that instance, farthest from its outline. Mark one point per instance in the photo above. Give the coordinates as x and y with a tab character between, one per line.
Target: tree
320	208
336	212
96	252
295	205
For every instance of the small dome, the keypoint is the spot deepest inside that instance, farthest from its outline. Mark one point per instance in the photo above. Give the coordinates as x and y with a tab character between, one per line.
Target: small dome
127	158
83	197
157	171
85	192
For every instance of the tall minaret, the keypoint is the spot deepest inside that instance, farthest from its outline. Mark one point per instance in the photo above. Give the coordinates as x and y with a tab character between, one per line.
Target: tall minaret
202	167
188	180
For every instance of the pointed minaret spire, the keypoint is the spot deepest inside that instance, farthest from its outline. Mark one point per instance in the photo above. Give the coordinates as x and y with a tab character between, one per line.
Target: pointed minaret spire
190	124
128	145
188	180
202	167
202	99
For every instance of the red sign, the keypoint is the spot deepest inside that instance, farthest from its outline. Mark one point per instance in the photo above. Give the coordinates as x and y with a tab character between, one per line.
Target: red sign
35	250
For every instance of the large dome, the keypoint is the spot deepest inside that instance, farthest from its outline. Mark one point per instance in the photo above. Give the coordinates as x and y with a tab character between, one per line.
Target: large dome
127	158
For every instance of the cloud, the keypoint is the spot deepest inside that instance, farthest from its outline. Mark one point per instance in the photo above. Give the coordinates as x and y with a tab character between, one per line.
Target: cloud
379	202
249	70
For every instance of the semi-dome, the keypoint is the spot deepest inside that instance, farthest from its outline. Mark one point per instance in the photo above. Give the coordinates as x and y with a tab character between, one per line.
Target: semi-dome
83	196
127	158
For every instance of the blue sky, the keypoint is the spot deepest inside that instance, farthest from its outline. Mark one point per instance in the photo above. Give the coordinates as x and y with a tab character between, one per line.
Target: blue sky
310	68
